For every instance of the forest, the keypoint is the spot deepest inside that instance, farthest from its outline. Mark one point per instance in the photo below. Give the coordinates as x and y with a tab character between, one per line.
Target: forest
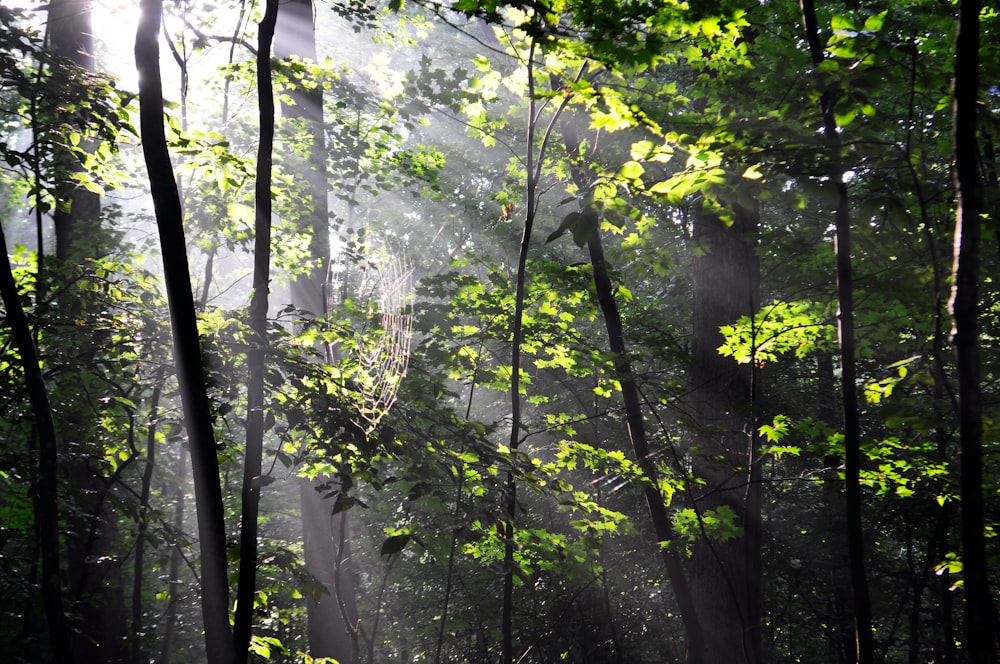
499	331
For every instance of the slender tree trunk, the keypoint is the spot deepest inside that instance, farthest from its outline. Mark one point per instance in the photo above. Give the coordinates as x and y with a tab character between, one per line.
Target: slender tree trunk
980	620
187	350
257	365
725	575
138	570
173	580
842	618
47	498
660	517
697	649
849	392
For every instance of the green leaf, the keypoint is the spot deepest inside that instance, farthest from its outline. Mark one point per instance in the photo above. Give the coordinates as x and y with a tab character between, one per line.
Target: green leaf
841	22
875	23
631	170
568	223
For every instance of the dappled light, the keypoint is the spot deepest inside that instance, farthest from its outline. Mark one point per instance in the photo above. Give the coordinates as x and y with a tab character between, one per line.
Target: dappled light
498	333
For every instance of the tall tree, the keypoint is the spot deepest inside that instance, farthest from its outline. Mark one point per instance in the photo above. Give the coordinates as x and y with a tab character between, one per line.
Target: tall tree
256	356
332	614
77	211
848	379
586	225
187	348
980	619
725	567
93	567
46	498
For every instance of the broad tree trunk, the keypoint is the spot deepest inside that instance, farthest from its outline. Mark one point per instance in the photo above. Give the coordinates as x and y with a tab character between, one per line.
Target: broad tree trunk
71	36
93	566
187	350
980	620
332	617
725	576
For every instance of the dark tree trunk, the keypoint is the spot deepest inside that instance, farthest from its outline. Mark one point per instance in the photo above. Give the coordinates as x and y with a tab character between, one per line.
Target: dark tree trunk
980	621
46	489
243	620
841	624
187	350
173	580
517	339
848	379
659	516
725	575
698	650
138	568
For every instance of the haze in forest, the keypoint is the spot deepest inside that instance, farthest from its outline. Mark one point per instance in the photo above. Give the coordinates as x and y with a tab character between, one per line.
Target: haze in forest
585	332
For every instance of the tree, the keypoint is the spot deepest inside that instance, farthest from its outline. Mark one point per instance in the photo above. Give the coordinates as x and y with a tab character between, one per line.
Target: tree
78	209
666	416
46	498
332	611
187	349
91	555
256	357
725	566
849	396
981	625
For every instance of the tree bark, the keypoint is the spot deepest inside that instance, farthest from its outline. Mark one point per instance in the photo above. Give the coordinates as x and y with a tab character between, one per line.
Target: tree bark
93	570
841	623
46	489
256	356
865	648
725	575
980	620
77	211
332	618
139	569
659	516
187	349
517	339
697	648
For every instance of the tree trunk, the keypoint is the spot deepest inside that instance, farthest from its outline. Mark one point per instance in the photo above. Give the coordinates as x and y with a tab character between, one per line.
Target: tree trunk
138	568
94	573
841	624
725	575
187	350
659	516
697	648
256	356
46	489
848	380
77	211
980	620
332	617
